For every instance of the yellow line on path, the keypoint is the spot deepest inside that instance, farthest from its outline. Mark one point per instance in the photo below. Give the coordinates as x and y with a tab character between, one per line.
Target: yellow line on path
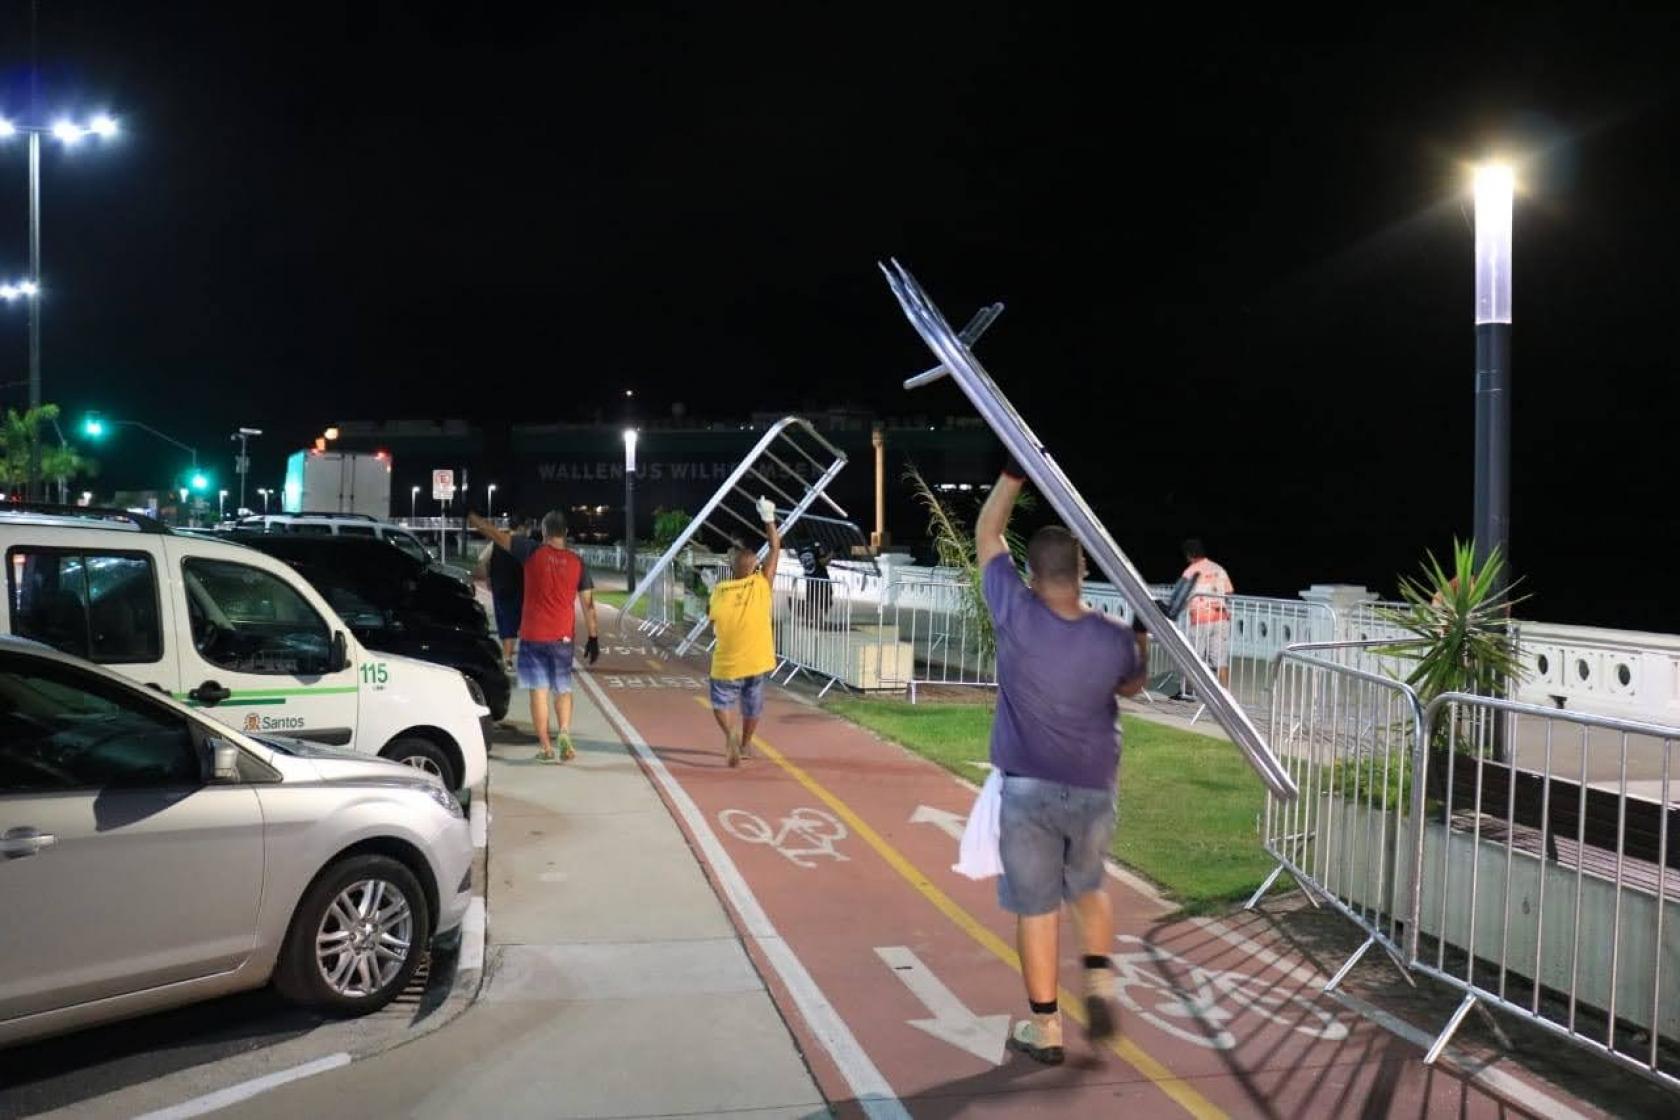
1145	1063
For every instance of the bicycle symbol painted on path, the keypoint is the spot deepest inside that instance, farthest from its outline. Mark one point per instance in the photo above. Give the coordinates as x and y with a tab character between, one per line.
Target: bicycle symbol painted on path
803	835
1197	1004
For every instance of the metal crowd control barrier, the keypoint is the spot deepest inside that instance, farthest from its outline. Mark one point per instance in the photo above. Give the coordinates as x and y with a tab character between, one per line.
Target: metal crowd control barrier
938	625
1245	642
957	361
1551	884
1349	740
816	635
736	500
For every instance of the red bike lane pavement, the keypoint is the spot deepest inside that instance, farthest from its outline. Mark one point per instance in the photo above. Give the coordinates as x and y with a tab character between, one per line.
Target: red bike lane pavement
845	842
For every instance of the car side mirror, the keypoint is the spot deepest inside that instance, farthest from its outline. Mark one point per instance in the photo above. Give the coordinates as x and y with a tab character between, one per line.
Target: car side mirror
224	761
339	659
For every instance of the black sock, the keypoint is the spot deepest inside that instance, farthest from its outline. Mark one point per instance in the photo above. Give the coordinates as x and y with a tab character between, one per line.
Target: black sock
1045	1008
1093	960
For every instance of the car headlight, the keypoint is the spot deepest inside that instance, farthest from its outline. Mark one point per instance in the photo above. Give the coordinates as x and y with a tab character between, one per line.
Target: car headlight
446	801
474	691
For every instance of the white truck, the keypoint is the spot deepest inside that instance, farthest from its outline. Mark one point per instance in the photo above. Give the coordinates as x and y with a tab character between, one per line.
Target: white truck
338	482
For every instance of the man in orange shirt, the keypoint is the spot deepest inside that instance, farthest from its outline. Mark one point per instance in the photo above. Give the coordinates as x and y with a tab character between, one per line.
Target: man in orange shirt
1209	609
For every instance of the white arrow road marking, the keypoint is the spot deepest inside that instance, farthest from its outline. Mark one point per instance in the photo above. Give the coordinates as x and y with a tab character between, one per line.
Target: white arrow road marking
951	824
980	1035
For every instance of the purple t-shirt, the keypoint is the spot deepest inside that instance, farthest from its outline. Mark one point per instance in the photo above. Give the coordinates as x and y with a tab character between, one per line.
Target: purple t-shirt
1056	680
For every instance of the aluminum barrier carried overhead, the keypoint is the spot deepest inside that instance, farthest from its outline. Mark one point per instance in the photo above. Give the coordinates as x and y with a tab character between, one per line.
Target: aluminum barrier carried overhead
958	361
730	514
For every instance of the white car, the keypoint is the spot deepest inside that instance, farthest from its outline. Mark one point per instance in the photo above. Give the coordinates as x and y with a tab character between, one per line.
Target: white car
150	857
234	632
337	525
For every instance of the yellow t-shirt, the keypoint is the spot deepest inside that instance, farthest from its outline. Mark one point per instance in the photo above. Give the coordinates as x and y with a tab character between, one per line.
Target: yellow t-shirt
740	614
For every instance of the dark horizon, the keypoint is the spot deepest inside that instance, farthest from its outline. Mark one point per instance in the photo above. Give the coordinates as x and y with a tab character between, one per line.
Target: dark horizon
1237	272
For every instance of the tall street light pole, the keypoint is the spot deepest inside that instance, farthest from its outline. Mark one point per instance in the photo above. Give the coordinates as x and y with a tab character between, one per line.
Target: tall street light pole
1495	186
490	501
630	509
243	464
67	133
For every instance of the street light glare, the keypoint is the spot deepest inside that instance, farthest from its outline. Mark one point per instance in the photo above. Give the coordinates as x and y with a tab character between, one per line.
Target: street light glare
28	288
1494	185
1494	180
67	132
7	128
103	125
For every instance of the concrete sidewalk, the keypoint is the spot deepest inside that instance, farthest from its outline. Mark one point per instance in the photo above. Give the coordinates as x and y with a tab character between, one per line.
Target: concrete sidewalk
616	985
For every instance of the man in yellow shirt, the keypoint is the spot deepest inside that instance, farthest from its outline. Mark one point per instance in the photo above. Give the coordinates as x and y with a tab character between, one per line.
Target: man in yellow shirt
746	651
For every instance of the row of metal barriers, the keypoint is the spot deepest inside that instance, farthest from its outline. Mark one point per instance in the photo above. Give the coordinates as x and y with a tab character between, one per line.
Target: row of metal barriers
1521	854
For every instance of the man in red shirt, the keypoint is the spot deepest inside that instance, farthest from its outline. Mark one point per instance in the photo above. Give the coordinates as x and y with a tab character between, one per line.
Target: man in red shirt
555	578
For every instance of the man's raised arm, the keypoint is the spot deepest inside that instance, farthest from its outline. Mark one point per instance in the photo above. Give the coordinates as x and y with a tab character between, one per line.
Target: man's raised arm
989	527
501	538
767	511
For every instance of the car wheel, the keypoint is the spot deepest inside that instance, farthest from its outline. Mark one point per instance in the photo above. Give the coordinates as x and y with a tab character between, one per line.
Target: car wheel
356	937
423	754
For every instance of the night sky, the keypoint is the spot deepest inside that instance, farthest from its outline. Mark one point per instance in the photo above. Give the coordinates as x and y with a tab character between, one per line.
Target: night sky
1238	271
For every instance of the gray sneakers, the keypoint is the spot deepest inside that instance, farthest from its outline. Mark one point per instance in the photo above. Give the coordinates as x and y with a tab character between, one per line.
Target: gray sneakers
1039	1038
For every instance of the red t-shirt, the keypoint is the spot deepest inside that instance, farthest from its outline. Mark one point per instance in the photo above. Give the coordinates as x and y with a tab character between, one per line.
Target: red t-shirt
553	579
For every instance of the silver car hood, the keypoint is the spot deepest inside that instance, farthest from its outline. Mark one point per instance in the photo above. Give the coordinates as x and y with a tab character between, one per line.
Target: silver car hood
341	764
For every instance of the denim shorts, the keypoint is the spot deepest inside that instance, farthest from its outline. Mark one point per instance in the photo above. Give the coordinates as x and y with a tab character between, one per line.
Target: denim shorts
546	665
748	690
1053	840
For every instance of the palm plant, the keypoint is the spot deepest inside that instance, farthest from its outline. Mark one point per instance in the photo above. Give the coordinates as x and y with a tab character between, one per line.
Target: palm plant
953	544
24	456
1461	627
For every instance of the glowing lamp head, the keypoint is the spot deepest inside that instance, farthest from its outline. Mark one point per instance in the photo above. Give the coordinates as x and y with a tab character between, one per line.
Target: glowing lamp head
103	126
7	129
1494	186
200	482
67	132
28	288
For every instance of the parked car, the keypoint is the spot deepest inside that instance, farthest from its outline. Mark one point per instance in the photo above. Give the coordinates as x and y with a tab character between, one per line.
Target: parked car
151	857
358	525
393	604
232	631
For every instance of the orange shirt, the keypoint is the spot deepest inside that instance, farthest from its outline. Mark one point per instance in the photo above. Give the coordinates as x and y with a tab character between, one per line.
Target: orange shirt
1210	580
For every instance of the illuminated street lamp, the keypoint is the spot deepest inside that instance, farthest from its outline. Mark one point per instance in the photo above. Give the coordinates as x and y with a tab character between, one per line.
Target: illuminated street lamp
413	502
1494	188
490	501
630	438
19	289
264	492
221	505
68	133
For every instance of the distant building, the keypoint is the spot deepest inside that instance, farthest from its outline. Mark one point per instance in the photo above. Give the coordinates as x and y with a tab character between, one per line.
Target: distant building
681	461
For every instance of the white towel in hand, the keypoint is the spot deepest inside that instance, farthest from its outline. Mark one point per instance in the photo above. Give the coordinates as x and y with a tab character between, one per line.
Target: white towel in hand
977	855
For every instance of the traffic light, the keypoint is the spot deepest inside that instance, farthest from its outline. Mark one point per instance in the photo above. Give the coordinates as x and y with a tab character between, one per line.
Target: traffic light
200	482
93	427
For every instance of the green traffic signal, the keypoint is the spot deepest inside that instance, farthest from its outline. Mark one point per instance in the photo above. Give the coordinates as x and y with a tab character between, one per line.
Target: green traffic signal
200	482
93	427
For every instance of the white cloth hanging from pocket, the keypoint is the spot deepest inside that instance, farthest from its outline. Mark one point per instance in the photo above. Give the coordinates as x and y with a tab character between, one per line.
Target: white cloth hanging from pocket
977	854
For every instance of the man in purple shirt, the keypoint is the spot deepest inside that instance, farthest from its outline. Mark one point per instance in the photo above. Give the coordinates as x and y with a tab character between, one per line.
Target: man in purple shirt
1056	742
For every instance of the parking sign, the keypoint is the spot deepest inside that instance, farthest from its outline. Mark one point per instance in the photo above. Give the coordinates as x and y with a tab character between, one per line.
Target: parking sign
443	486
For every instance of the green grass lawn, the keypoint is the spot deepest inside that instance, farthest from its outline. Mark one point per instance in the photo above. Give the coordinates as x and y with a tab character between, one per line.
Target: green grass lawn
1188	802
617	598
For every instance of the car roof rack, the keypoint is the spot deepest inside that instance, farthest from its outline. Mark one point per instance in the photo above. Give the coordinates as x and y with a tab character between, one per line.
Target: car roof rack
140	521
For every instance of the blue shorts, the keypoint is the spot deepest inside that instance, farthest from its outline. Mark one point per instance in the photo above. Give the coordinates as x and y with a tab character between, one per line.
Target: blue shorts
1053	840
507	613
546	665
749	691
